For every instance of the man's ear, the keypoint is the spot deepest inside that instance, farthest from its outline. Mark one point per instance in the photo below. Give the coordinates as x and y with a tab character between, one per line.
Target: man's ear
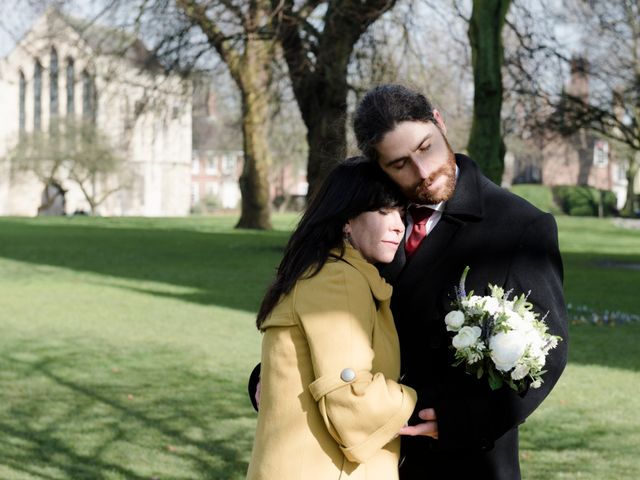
439	121
347	229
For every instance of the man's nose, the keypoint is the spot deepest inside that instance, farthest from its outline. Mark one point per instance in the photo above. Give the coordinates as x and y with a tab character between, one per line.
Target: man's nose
421	166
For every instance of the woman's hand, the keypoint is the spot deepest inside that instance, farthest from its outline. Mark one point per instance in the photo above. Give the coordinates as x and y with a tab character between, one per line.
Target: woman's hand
429	428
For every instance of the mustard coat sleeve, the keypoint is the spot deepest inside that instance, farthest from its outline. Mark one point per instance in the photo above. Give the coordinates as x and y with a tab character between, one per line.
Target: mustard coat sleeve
337	314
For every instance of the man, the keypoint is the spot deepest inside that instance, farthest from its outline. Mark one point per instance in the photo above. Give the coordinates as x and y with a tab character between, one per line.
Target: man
464	429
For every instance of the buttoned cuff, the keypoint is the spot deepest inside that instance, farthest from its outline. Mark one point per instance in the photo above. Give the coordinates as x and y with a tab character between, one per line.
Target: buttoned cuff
378	439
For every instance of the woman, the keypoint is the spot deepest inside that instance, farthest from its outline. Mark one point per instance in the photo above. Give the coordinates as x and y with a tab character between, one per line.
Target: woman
330	406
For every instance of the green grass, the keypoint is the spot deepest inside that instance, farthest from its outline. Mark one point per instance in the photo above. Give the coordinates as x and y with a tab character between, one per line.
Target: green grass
539	195
125	345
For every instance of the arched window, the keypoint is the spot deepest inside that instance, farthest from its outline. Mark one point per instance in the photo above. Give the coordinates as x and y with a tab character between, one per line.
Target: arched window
71	100
53	84
37	96
22	118
88	97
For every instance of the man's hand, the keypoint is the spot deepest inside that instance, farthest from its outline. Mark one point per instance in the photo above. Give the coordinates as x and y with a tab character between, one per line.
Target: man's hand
429	428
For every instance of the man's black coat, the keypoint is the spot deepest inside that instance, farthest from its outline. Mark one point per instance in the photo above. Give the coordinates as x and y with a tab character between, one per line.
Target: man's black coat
505	241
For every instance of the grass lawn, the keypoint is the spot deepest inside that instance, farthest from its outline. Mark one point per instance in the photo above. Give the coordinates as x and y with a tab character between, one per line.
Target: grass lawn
125	345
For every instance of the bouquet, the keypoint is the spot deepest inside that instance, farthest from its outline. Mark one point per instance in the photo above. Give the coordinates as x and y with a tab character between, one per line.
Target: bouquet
500	337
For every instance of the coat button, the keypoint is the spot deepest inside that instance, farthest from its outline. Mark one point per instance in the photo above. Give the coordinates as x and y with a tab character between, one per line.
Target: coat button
348	375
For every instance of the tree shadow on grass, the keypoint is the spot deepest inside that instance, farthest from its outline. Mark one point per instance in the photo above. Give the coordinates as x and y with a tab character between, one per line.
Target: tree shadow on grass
73	423
229	269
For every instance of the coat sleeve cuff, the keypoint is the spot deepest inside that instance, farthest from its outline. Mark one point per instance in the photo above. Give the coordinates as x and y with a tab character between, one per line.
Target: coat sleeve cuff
378	439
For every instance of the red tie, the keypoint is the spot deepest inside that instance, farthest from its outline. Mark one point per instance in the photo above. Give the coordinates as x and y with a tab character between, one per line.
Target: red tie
420	215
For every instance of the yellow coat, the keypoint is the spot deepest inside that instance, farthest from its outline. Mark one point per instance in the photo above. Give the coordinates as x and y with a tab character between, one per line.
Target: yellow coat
315	422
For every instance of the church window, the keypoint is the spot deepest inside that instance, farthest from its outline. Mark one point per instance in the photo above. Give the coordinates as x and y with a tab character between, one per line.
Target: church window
88	97
22	118
37	96
53	84
70	87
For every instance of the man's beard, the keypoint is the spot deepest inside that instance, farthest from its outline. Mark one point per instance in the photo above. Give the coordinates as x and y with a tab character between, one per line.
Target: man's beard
422	193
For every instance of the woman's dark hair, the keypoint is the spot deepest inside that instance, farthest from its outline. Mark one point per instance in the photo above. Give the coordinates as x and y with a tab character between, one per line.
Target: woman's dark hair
351	188
381	109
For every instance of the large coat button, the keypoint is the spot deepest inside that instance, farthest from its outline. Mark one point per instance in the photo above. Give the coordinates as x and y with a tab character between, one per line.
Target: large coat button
348	375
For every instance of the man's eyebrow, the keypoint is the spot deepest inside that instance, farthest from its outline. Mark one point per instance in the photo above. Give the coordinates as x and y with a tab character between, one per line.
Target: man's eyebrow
400	159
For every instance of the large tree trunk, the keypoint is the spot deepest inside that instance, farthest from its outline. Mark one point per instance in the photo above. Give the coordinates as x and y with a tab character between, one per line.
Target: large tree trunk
249	62
486	145
327	146
254	78
325	119
320	86
632	172
254	184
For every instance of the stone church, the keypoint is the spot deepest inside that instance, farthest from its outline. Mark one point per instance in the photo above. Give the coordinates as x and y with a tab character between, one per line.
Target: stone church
62	70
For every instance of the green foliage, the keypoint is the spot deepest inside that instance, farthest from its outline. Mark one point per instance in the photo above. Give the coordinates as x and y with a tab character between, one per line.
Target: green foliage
583	201
126	345
538	195
208	204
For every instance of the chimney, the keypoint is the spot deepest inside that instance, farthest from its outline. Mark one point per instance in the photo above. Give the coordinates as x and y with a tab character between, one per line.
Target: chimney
579	83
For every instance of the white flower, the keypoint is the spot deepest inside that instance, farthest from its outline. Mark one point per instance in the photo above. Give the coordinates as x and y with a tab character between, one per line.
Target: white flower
536	384
553	343
520	372
516	322
536	346
492	305
529	316
466	337
507	349
473	304
454	320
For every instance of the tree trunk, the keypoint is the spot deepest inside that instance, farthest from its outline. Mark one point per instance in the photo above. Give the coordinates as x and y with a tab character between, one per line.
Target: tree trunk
250	67
326	136
632	172
254	184
320	86
486	145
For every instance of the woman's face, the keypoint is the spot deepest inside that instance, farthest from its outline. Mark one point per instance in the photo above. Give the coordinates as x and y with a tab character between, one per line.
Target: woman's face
376	235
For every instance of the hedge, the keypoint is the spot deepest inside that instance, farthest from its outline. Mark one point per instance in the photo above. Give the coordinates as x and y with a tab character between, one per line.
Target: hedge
583	201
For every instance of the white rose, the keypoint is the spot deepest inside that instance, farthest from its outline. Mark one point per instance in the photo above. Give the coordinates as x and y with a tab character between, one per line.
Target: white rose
507	349
520	372
536	384
466	337
454	320
516	322
492	305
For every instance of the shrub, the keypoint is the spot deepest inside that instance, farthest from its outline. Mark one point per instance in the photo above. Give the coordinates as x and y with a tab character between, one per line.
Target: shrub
583	201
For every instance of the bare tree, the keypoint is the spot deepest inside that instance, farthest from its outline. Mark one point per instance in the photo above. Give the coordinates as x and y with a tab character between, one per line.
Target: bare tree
76	150
609	37
317	39
239	32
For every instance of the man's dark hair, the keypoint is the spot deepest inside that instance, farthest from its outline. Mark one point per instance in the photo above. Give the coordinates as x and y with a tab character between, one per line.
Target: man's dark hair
382	108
